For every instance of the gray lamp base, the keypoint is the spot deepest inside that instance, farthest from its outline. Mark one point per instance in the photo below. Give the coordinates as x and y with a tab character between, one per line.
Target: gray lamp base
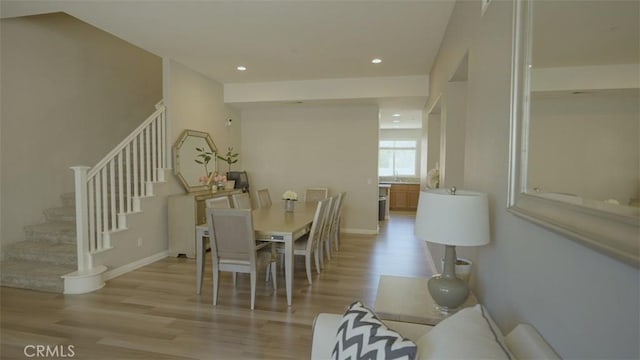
446	289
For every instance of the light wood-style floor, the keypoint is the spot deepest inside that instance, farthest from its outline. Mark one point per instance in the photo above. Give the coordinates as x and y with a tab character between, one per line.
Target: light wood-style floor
154	313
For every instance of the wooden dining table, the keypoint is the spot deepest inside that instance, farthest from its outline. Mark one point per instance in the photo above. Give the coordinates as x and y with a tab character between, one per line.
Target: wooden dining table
274	224
271	224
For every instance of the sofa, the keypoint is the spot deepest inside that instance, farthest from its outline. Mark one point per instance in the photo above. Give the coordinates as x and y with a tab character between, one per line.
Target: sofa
468	334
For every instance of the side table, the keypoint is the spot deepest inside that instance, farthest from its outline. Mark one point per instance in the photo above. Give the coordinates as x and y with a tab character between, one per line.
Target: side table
407	299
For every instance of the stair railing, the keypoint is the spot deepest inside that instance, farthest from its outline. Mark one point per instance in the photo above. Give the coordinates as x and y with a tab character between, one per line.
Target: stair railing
105	193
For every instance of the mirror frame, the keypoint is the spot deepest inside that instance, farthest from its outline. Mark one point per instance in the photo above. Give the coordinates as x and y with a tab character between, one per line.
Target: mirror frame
176	157
614	233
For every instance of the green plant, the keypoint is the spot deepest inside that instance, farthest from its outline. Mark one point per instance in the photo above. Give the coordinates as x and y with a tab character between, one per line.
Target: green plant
203	159
230	157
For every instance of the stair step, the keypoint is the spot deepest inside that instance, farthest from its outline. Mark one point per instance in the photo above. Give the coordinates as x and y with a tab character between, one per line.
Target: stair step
65	213
41	251
34	275
54	231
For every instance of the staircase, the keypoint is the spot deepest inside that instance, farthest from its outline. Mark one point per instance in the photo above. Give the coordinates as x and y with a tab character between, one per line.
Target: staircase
64	254
48	252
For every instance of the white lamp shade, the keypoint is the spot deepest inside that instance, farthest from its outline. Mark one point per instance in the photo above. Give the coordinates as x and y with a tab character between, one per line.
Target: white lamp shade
460	220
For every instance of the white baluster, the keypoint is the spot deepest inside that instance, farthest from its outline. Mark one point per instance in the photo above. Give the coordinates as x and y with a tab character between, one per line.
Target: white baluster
128	177
136	191
112	195
154	154
148	153
121	188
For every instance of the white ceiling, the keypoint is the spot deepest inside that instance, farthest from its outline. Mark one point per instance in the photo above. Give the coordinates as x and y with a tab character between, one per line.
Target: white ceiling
275	40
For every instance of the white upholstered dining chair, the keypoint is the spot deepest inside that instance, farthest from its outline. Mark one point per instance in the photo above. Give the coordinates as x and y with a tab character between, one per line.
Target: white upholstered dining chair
307	246
332	232
234	248
241	201
316	194
202	231
264	199
336	223
220	202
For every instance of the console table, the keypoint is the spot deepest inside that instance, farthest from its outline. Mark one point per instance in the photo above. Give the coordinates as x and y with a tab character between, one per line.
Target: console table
185	213
407	299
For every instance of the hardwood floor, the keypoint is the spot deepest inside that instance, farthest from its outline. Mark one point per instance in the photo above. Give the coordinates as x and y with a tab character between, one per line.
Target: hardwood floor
154	313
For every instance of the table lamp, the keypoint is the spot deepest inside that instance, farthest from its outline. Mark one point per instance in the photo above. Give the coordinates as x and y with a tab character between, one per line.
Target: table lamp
452	218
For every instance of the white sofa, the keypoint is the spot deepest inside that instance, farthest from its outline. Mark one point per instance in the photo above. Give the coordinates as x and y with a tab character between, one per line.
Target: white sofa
469	334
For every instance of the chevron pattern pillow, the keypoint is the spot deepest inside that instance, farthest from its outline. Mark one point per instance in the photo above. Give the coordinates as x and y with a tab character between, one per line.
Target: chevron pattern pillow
361	335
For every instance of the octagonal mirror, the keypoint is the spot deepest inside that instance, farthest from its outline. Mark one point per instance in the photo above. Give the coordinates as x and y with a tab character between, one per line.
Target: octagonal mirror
194	159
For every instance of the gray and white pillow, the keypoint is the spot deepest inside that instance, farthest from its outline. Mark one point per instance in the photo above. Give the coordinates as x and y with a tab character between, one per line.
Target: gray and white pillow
361	335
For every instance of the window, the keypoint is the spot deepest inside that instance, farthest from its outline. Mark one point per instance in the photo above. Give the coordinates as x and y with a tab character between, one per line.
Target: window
397	158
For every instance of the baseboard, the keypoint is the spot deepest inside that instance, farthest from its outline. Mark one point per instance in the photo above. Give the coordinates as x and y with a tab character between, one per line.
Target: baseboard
135	265
85	281
359	231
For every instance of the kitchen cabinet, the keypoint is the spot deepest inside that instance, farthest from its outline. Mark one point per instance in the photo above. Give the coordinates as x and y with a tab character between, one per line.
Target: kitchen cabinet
404	197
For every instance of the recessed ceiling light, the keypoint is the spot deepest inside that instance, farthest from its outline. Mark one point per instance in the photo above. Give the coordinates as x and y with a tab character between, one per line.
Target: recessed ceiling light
241	68
376	61
396	126
395	121
395	115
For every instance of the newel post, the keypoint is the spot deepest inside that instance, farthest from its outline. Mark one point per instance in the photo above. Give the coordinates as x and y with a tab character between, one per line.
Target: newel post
82	217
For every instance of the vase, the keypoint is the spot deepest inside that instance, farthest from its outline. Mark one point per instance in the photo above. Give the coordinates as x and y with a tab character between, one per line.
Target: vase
289	205
214	188
462	269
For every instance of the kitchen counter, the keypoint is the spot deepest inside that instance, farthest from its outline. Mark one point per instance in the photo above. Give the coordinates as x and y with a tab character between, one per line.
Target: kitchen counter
399	182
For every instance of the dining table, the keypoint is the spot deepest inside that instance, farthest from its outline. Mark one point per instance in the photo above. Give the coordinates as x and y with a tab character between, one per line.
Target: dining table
273	224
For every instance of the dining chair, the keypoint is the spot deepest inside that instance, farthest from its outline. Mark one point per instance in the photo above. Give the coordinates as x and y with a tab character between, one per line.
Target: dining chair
241	201
330	240
335	229
324	243
307	246
202	231
220	202
326	217
315	194
264	199
234	248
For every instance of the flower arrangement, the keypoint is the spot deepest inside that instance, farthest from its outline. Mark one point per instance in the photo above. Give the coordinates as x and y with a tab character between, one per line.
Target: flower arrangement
290	195
219	179
204	180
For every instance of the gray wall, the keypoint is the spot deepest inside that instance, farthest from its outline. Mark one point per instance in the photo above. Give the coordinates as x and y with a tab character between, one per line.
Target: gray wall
586	144
584	303
70	93
195	102
294	147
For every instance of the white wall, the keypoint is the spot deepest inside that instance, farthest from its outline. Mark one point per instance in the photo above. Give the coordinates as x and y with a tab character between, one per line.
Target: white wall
585	304
195	102
586	144
452	134
433	141
70	93
294	147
